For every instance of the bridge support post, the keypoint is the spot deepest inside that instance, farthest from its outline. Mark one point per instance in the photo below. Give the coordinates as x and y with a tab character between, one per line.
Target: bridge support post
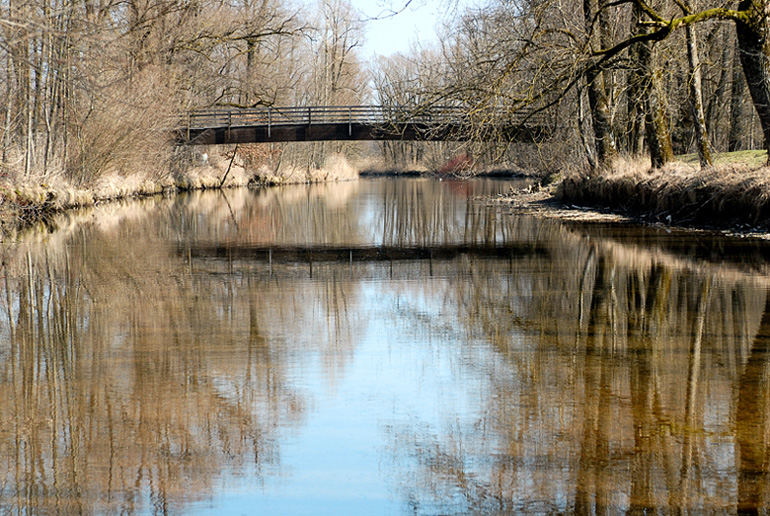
269	121
350	121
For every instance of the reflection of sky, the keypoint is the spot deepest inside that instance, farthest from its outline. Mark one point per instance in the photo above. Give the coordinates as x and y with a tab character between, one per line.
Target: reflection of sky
404	372
354	392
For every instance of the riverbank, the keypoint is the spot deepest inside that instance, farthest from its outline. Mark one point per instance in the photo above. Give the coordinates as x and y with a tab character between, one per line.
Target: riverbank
732	197
23	202
493	173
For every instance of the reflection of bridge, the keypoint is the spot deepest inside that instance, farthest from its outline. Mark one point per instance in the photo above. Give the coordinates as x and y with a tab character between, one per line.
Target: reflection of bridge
353	123
372	253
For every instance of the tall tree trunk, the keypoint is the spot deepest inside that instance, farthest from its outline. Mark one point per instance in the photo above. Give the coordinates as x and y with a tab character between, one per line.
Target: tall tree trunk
737	91
588	148
754	44
656	114
8	115
696	99
635	107
715	105
598	96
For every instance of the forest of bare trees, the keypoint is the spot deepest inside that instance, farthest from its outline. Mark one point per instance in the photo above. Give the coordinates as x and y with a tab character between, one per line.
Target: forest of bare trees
629	77
91	88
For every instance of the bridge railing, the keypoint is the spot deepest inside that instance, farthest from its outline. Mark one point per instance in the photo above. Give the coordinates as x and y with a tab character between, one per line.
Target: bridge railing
370	115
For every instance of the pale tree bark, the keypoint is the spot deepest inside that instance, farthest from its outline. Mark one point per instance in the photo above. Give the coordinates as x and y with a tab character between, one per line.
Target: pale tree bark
587	147
696	95
8	115
716	95
635	106
596	87
737	92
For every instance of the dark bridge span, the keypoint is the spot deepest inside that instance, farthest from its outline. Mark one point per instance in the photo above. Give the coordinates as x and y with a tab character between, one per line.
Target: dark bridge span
299	254
352	123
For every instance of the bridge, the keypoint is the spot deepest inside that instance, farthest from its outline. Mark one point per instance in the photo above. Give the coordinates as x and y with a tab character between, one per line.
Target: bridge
349	123
371	253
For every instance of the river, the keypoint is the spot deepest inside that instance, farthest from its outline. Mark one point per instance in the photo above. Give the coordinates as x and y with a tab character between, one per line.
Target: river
383	347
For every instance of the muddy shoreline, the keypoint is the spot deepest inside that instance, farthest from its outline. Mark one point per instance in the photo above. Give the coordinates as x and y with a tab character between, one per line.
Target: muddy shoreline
547	203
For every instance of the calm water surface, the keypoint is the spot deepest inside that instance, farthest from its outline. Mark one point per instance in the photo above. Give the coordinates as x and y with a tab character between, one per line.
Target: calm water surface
379	347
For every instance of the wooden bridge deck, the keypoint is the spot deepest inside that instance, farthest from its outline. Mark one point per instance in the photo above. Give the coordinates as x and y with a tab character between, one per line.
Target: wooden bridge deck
353	123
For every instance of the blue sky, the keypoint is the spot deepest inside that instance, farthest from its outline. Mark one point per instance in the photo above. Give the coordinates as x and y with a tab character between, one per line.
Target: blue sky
417	22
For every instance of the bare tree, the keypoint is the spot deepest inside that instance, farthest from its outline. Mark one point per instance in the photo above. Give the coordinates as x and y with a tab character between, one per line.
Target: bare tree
597	30
696	92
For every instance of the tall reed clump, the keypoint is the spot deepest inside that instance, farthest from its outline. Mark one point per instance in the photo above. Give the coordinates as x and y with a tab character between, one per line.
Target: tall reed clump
724	196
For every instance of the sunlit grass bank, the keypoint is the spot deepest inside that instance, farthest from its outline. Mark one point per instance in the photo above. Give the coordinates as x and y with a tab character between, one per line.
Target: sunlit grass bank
26	200
335	168
734	194
748	158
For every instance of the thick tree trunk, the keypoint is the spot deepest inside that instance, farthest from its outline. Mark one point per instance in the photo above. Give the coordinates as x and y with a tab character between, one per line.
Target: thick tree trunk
754	45
598	96
656	114
658	133
653	100
604	136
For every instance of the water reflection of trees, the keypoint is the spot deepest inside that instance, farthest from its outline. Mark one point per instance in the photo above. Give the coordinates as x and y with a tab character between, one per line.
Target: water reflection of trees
116	400
617	379
612	376
132	380
424	213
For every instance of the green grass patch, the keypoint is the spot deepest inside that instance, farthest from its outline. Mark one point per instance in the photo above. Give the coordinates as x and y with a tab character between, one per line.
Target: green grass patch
749	158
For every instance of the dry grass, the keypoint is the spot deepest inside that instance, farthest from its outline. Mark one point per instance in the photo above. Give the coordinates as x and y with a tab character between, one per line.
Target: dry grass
219	171
23	201
729	195
335	168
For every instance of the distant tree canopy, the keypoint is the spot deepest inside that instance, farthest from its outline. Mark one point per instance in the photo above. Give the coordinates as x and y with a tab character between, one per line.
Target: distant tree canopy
660	76
92	87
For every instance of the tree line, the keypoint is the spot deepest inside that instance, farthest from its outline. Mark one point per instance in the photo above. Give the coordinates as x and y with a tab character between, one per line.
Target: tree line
615	77
92	87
